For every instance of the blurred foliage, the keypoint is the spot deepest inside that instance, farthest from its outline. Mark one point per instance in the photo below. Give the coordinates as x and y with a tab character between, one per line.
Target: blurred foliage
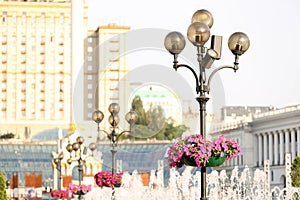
153	123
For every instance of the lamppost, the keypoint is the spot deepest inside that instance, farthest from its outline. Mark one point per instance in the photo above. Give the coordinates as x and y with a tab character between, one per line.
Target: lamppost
198	34
57	162
131	117
80	154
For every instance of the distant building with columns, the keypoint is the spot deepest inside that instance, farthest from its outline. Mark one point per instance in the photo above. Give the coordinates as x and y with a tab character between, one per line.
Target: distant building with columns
265	135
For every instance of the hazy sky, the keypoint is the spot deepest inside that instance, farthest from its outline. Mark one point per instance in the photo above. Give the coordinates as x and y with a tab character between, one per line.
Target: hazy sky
269	71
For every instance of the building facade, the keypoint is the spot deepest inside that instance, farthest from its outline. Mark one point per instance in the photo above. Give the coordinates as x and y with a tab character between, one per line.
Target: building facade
267	136
35	64
104	70
54	71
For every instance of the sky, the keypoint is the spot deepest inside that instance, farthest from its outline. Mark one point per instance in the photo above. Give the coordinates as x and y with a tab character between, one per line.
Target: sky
269	70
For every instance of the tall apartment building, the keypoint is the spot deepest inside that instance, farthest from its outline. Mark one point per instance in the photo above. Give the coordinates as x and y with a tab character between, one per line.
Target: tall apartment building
35	64
43	61
104	72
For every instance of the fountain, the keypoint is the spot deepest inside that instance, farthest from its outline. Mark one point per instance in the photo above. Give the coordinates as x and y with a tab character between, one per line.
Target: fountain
240	184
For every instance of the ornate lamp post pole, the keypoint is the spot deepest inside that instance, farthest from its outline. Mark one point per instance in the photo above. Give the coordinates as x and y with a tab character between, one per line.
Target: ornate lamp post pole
57	162
198	34
114	108
80	154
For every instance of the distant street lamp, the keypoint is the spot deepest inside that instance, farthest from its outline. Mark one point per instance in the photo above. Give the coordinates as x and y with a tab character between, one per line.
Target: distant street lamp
80	154
198	34
57	162
114	108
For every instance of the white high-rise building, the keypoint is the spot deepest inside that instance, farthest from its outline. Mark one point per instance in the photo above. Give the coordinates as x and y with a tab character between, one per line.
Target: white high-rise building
54	71
35	64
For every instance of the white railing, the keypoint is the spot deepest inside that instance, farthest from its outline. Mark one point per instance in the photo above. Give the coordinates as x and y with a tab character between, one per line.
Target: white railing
278	111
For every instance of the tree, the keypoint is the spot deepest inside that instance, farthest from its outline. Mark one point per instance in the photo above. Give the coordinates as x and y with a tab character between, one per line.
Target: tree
153	123
137	106
7	136
157	118
295	172
172	131
2	187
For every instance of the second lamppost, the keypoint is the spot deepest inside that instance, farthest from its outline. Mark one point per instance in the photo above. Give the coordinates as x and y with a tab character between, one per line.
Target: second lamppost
114	108
198	34
57	162
80	154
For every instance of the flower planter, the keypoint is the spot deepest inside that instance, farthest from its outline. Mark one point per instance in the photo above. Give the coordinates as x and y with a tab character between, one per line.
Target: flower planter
188	161
205	150
107	179
215	161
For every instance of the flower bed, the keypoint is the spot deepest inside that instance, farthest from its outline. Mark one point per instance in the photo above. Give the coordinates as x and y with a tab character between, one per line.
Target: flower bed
195	151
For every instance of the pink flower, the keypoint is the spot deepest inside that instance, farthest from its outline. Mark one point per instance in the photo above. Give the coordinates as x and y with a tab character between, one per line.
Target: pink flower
200	150
59	193
108	179
78	189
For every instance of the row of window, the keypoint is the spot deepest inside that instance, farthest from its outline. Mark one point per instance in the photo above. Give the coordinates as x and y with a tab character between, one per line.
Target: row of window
31	19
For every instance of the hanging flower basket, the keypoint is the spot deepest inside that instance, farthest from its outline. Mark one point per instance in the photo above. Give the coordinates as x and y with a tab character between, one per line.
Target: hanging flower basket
107	179
59	194
193	150
188	161
78	189
215	161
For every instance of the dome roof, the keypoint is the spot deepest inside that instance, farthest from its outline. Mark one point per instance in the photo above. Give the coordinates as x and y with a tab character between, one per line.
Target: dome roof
50	134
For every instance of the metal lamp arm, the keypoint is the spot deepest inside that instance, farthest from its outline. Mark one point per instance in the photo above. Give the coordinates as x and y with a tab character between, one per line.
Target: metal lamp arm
194	73
119	135
108	135
235	67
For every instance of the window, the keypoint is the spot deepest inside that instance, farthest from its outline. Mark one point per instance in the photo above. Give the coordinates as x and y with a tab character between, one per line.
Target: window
89	58
90	39
90	68
90	49
89	77
89	86
89	115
